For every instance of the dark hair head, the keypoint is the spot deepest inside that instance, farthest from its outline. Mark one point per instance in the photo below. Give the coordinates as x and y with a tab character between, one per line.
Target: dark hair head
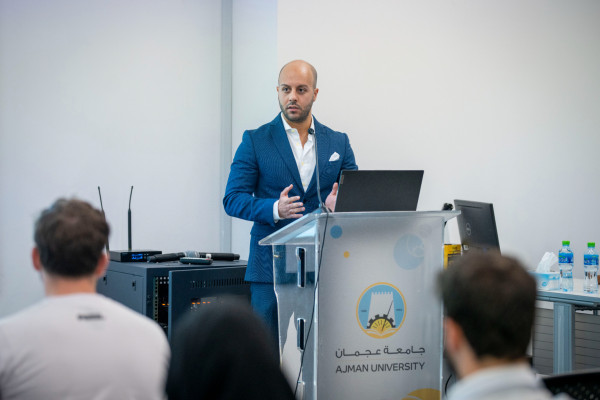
70	237
224	351
492	298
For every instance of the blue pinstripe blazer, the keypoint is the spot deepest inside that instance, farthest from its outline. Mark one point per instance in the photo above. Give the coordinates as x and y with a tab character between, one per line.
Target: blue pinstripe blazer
262	167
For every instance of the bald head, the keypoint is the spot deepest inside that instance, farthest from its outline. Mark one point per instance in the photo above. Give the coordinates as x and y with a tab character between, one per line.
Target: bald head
302	67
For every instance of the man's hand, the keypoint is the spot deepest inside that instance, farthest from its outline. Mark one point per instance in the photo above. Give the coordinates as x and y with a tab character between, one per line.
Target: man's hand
332	198
289	207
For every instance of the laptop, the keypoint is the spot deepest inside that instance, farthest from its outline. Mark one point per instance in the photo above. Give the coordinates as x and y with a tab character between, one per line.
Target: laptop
477	226
361	190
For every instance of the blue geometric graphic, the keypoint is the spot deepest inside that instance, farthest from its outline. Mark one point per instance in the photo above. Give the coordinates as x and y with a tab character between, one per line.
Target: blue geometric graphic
336	232
409	252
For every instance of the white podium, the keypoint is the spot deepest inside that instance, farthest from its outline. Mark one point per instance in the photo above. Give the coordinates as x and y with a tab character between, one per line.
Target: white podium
358	314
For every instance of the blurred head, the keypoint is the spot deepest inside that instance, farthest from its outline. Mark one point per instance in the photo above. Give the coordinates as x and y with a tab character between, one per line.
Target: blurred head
491	298
70	237
223	351
297	90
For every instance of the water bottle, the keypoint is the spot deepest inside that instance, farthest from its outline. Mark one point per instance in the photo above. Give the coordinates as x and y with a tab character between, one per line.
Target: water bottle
565	264
590	269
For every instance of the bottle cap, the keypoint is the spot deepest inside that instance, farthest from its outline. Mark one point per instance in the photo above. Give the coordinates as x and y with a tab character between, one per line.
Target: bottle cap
566	242
591	244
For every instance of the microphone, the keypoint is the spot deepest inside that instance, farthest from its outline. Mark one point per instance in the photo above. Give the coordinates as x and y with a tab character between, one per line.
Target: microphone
214	256
165	257
311	131
193	254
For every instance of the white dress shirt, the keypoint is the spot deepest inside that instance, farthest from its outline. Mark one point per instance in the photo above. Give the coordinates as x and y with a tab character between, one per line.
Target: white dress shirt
304	155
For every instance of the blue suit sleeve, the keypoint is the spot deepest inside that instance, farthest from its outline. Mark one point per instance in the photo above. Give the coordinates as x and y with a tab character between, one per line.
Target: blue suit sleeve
349	162
239	200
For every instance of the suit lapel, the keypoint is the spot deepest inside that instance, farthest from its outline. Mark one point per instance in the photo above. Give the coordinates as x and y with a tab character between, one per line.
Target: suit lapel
285	151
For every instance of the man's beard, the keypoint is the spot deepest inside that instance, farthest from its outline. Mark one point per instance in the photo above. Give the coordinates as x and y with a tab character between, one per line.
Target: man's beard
304	112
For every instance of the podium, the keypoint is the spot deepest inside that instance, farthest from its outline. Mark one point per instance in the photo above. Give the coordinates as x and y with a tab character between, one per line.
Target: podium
358	313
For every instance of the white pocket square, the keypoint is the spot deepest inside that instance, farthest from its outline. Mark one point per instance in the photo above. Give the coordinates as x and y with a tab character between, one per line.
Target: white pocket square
334	157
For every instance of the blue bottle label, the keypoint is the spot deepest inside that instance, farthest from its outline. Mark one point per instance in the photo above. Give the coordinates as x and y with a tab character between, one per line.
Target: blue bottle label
590	259
565	258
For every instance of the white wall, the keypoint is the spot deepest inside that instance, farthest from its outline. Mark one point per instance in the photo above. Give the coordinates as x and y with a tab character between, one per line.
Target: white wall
115	94
485	96
498	101
254	82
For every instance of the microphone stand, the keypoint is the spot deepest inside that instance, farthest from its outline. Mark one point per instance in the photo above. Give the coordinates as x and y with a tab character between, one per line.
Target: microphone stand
322	206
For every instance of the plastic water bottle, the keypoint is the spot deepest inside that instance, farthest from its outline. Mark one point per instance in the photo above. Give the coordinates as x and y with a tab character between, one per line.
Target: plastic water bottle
565	263
590	269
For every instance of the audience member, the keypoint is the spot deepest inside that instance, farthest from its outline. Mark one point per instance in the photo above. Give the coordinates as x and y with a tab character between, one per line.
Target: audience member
75	343
223	352
489	303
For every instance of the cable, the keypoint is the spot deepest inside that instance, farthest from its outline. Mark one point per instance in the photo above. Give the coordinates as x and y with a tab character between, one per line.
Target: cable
447	382
312	316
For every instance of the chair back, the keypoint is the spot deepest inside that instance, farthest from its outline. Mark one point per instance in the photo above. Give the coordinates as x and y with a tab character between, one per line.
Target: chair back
579	385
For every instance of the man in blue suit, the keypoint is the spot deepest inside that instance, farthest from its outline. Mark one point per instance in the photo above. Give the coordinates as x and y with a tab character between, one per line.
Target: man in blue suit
272	179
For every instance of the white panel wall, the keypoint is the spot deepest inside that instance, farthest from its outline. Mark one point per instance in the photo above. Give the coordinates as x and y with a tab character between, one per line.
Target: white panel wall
111	93
496	101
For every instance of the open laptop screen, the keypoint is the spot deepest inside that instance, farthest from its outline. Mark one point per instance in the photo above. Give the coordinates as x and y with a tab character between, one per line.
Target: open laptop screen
361	190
